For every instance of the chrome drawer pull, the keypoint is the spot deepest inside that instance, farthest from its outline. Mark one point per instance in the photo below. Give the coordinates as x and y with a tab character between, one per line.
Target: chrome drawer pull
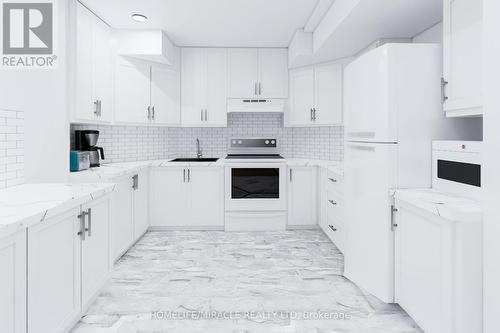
332	202
333	180
332	227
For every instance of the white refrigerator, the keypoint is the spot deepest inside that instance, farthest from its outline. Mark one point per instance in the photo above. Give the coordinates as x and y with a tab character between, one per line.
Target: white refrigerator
392	113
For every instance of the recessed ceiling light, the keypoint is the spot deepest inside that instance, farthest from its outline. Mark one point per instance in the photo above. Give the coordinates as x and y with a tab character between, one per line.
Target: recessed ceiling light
139	18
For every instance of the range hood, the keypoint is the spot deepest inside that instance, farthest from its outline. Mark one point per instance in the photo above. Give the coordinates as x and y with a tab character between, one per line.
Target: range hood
251	105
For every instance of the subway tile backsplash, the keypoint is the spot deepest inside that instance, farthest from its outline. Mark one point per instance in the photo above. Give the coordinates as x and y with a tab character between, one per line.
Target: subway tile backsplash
11	148
135	143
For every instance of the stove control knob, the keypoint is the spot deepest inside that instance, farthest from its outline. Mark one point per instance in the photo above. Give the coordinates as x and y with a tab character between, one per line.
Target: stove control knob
240	142
273	142
267	142
234	142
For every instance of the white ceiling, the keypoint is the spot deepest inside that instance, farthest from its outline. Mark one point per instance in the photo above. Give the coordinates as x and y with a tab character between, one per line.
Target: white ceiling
225	23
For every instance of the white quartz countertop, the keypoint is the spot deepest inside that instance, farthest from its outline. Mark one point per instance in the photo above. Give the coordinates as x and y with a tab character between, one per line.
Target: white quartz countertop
445	205
25	205
110	171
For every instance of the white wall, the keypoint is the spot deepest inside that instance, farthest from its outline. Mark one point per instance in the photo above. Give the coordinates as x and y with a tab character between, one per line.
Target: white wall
41	94
491	159
433	34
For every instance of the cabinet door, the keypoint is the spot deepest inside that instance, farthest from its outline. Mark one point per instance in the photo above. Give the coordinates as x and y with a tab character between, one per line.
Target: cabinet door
462	55
165	96
13	283
83	70
95	249
102	68
301	96
206	197
168	197
302	196
216	87
54	274
273	73
243	72
122	224
141	196
132	97
328	94
192	85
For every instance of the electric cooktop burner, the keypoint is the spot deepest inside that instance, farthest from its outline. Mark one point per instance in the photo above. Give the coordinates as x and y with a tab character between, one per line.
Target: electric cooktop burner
253	156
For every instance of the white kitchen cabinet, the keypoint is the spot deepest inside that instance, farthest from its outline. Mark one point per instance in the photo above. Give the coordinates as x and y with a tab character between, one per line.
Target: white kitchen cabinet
331	207
187	197
95	250
204	87
93	67
165	96
132	92
259	73
438	270
13	283
54	273
168	191
315	96
206	197
302	208
146	94
122	218
141	203
462	46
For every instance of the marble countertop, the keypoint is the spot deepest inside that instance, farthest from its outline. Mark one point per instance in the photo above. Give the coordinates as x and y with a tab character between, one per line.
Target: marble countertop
25	205
445	205
110	171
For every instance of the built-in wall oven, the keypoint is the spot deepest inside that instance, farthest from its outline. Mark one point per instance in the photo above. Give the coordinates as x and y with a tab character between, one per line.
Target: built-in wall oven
255	185
457	167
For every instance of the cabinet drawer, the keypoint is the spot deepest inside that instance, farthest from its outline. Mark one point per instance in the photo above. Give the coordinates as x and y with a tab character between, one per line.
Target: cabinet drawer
334	182
334	218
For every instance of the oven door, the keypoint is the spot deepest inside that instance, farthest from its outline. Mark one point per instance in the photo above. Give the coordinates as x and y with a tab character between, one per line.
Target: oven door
255	187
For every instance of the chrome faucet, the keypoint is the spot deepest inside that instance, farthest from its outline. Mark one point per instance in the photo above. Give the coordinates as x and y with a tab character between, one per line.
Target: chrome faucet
199	153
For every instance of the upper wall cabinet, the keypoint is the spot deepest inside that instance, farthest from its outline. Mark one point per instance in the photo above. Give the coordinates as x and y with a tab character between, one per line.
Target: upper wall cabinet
258	73
462	82
146	94
315	96
204	87
93	94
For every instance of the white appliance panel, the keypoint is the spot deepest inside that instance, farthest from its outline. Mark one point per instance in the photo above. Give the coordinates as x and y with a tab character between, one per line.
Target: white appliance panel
370	171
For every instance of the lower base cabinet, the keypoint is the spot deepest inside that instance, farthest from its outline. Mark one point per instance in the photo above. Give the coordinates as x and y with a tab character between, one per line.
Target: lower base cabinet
438	265
302	189
13	283
186	197
129	209
68	262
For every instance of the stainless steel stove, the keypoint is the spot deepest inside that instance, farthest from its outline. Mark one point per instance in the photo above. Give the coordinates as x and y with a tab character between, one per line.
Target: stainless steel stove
255	182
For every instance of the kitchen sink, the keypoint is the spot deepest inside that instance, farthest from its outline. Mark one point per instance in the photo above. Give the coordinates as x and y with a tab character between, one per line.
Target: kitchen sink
195	160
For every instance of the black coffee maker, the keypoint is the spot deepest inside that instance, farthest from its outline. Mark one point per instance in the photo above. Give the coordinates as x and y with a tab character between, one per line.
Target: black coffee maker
86	141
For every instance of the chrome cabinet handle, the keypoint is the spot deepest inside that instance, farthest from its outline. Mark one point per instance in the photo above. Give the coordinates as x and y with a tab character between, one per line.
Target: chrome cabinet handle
311	114
149	112
291	171
444	83
332	227
255	88
260	88
135	182
332	202
184	175
96	107
201	114
206	115
89	214
314	114
189	175
100	108
82	230
333	180
153	112
393	225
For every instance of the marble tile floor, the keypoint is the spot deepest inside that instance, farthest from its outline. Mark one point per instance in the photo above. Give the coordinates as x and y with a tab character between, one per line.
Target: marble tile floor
279	282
